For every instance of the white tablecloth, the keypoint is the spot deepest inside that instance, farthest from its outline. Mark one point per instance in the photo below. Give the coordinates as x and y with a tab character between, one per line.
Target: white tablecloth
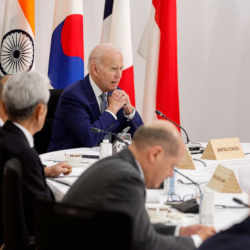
223	218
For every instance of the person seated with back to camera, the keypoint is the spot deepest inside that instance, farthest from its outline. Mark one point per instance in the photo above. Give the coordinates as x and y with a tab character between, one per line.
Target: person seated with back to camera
96	101
25	96
118	183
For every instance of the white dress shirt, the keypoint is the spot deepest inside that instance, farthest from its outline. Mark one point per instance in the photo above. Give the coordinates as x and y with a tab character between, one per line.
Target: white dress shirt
98	92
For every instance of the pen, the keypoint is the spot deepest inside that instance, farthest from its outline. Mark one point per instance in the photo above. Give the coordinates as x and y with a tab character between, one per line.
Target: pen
90	156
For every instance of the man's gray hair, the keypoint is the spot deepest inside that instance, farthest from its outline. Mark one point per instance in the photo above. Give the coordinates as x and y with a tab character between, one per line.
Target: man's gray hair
22	92
97	54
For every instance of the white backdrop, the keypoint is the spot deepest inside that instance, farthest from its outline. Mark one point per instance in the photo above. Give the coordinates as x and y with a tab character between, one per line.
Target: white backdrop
213	55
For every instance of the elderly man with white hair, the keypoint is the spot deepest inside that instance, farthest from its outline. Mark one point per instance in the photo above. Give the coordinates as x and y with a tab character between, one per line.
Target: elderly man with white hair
96	101
25	97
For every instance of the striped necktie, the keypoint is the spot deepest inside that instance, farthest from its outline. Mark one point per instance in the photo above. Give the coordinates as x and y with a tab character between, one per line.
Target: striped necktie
104	103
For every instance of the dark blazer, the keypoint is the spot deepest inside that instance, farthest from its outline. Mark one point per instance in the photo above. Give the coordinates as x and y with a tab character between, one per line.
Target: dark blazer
115	184
77	112
13	143
235	238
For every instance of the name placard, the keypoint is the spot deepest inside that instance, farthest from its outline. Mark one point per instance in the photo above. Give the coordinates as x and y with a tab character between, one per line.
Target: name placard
224	181
223	149
187	161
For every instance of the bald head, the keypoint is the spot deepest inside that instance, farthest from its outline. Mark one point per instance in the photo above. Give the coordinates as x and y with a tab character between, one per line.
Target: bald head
161	133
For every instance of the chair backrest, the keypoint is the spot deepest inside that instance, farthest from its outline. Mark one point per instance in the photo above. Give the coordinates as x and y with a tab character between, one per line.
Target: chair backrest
16	235
62	226
42	138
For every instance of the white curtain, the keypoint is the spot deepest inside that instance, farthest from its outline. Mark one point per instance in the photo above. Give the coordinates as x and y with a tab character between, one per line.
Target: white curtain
213	55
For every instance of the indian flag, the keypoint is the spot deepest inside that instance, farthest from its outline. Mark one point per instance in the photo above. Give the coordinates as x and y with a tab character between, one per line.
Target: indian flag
17	39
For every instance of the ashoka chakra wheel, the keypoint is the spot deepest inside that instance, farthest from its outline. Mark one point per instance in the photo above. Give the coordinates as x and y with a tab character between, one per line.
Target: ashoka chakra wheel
16	52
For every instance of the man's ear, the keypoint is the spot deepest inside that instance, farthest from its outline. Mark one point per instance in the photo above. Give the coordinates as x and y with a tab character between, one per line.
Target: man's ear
94	69
40	111
3	107
155	153
3	111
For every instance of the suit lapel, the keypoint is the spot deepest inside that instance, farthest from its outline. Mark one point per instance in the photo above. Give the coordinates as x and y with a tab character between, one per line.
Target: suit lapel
91	98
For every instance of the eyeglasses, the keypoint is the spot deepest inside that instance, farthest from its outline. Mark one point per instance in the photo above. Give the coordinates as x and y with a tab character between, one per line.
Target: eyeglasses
177	198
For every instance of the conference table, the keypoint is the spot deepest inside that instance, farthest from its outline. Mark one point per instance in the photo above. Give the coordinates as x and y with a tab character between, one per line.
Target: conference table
226	211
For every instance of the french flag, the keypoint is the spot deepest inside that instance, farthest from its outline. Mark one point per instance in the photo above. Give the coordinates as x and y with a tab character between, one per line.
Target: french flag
117	30
66	62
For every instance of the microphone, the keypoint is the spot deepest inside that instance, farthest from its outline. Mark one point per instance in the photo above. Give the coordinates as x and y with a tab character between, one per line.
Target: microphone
189	179
176	124
102	131
193	148
239	201
189	206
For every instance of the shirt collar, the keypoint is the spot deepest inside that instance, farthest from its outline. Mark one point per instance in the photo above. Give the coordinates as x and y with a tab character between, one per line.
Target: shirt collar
27	134
95	88
140	170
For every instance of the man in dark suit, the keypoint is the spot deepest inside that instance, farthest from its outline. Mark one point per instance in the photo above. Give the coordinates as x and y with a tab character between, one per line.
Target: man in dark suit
94	102
118	183
235	238
25	97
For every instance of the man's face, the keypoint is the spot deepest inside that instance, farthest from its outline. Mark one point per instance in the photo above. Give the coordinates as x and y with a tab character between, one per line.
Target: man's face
162	167
109	71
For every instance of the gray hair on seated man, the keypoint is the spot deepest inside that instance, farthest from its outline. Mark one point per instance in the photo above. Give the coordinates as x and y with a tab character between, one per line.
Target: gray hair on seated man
23	92
158	134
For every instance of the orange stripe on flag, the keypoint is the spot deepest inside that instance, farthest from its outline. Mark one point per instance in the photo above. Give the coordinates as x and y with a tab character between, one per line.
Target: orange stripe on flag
28	7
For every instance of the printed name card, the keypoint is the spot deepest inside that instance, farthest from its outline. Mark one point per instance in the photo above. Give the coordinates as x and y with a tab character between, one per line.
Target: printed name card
187	161
223	149
224	181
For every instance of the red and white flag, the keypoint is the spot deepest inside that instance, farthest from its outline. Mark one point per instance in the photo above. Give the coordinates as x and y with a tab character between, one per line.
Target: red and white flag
117	30
159	47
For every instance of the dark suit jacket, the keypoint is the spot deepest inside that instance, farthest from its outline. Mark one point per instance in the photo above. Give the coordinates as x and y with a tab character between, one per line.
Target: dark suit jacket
77	112
13	143
115	184
235	238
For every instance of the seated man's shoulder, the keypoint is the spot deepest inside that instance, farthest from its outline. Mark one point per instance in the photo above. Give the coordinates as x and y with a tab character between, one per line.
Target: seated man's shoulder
119	168
74	87
74	91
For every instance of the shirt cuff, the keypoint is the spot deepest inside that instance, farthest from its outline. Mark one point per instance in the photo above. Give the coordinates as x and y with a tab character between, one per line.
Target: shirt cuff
115	117
177	231
195	237
197	240
130	116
